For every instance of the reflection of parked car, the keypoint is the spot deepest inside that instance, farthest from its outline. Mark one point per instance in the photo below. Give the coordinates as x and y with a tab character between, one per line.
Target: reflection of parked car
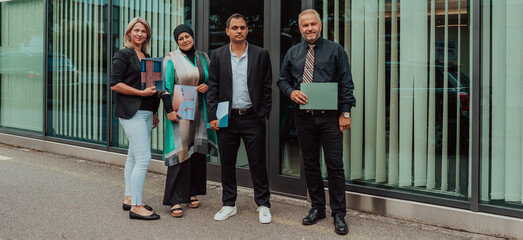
31	64
458	96
59	66
21	63
457	91
60	63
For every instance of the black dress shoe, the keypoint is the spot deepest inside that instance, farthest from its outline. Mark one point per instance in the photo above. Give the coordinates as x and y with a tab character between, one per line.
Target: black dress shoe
153	216
128	207
313	217
340	227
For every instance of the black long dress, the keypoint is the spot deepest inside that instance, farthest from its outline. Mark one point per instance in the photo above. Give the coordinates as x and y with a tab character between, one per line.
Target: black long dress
193	171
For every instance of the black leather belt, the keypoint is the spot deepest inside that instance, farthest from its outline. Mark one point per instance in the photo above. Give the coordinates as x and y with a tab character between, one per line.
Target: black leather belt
242	111
318	112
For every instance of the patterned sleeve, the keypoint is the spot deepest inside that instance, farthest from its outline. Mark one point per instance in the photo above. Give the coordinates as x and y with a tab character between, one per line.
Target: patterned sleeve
169	75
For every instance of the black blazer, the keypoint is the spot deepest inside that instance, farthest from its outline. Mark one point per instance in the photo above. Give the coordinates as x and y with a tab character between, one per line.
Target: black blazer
259	80
127	69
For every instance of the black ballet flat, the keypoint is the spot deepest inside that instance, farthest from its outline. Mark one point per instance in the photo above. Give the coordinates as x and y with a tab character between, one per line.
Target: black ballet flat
153	216
126	207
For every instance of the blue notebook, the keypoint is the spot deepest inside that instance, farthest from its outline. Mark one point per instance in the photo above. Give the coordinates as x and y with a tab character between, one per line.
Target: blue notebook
184	101
222	113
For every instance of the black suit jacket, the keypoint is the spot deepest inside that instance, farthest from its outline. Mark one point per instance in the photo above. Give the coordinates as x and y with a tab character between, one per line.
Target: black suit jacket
259	80
127	69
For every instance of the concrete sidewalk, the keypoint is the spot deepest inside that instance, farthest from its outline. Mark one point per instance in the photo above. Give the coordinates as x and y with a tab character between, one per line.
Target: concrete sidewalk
49	196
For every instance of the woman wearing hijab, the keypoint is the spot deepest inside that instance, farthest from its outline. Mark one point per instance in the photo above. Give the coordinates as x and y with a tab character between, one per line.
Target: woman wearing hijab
187	142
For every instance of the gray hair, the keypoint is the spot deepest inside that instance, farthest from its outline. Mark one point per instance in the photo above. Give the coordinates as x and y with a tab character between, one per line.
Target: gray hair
306	11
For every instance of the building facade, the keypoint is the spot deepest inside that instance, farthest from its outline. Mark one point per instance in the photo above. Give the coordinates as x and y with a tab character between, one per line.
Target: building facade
438	83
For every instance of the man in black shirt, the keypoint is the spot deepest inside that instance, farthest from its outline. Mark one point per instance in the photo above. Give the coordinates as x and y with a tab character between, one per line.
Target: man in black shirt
320	60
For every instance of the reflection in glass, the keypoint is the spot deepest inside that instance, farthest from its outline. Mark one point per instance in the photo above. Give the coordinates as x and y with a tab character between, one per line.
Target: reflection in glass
21	65
501	178
289	36
410	66
77	71
220	11
163	17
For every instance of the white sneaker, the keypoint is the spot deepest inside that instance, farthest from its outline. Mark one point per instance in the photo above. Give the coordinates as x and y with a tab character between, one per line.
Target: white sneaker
264	214
225	213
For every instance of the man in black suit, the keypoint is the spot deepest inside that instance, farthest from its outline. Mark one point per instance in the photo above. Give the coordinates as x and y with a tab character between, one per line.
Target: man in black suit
241	74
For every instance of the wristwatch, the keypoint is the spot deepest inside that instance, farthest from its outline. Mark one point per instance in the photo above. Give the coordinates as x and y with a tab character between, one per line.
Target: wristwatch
346	114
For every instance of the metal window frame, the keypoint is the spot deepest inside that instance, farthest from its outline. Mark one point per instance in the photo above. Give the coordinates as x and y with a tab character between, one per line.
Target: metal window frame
475	105
45	73
293	186
476	204
109	95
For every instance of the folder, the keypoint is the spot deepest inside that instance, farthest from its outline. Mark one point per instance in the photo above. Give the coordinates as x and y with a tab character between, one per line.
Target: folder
222	113
152	74
321	96
184	101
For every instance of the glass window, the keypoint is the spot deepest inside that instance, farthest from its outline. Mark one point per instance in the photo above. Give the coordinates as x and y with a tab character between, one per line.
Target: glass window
290	35
163	17
220	11
502	103
77	70
21	65
410	67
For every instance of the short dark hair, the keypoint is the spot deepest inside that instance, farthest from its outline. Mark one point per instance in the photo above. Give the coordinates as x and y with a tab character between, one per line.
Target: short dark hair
235	16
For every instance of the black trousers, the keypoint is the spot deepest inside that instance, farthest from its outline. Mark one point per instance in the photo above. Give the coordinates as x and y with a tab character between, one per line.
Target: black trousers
252	131
315	131
185	180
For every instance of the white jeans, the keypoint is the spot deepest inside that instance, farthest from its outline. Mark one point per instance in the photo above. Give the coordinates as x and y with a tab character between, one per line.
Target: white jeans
138	131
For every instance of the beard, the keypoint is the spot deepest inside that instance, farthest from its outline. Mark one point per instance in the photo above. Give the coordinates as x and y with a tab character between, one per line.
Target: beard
311	39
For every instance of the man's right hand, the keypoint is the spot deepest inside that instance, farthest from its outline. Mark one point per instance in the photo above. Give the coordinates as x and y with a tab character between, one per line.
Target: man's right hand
215	125
149	91
299	97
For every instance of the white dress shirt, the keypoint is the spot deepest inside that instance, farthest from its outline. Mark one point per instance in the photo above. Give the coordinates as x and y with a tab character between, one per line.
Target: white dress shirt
240	91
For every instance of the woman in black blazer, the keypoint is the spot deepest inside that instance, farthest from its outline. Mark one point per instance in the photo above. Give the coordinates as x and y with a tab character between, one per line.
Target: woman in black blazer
136	110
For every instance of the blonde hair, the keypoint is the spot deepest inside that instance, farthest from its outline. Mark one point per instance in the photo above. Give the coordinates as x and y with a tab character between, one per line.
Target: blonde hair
127	39
306	11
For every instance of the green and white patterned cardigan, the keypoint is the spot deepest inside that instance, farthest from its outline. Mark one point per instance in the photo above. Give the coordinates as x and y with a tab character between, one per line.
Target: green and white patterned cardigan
186	137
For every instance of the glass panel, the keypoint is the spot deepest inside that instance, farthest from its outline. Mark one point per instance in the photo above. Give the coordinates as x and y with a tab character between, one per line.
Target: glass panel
410	66
502	103
163	17
289	36
220	10
77	73
21	65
